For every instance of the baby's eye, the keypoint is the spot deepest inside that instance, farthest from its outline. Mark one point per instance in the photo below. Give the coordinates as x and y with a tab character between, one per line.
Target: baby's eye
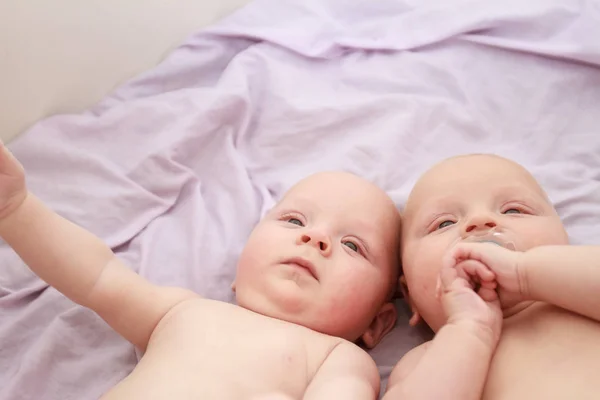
351	245
295	221
512	211
446	223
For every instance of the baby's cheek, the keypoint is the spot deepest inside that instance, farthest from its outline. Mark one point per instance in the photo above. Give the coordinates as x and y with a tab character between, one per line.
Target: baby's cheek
548	235
355	296
422	291
422	282
423	275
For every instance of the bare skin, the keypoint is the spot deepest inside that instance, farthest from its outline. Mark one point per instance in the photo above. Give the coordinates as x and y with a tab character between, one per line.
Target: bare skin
549	291
315	276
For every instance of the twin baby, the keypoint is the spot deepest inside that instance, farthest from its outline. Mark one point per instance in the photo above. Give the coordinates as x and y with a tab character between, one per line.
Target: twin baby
485	263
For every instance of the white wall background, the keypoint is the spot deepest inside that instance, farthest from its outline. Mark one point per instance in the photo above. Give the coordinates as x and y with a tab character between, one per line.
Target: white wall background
64	55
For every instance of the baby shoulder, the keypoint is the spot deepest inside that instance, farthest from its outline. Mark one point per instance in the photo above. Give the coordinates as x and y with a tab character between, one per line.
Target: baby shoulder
347	359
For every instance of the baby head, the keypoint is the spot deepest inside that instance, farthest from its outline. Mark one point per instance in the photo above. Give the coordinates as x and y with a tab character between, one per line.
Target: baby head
462	197
325	257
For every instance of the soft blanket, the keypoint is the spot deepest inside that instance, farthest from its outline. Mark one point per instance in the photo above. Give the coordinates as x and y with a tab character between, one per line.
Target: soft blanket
174	168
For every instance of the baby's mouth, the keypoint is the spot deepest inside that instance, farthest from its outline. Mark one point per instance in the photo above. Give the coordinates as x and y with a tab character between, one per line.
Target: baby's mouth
304	264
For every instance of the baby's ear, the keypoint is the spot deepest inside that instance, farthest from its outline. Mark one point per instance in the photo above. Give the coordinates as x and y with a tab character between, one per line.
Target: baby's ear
382	324
233	286
415	318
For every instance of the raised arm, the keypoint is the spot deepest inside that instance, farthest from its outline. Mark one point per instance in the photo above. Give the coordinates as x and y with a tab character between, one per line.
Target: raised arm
77	263
566	276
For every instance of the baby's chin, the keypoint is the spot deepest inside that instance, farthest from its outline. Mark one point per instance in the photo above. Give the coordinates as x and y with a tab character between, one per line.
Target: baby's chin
286	308
296	306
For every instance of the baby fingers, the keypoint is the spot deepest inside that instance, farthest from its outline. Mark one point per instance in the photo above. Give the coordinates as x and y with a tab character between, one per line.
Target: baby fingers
487	294
475	271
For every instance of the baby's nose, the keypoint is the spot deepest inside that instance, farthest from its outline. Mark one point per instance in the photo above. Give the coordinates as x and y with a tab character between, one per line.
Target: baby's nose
317	240
480	223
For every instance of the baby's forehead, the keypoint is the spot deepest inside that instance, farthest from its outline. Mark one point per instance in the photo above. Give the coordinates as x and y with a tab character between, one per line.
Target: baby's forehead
337	189
476	166
463	186
461	177
369	211
339	207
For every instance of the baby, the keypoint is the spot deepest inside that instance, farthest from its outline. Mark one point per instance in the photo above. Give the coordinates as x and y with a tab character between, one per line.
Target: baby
549	290
316	276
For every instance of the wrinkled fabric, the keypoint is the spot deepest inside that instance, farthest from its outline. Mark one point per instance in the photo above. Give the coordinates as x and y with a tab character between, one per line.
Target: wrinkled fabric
174	168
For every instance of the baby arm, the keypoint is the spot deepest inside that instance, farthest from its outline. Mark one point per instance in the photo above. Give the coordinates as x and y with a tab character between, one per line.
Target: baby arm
454	365
347	373
77	263
566	276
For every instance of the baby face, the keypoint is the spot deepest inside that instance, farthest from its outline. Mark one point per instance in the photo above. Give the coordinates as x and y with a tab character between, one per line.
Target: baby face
463	197
324	257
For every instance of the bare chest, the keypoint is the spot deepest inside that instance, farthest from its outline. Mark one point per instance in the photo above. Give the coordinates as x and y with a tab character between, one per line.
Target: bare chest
213	350
546	353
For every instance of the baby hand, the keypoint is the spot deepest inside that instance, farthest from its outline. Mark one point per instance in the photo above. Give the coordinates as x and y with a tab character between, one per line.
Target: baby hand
463	305
512	283
12	182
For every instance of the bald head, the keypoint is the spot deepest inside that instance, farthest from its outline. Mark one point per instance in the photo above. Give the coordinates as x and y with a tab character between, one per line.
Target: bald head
470	171
344	183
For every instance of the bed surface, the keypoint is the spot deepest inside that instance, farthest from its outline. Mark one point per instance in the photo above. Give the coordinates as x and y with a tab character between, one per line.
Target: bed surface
174	168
